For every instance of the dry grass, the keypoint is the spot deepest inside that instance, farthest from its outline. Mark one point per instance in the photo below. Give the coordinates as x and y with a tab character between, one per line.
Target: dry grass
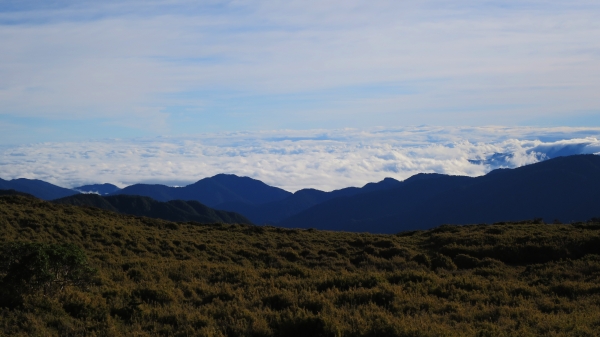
160	278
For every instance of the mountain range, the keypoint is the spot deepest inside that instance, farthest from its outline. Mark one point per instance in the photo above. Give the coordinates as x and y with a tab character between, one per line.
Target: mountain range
564	189
276	211
560	189
212	191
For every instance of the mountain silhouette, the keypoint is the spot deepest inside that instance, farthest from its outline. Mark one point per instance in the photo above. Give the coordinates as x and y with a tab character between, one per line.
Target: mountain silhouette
38	188
174	210
565	189
102	189
212	191
276	211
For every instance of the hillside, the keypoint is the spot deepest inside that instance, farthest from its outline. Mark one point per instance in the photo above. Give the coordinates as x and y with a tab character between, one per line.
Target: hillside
174	210
564	189
158	278
13	192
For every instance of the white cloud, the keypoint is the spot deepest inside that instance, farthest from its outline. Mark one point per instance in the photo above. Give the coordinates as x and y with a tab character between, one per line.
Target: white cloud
292	159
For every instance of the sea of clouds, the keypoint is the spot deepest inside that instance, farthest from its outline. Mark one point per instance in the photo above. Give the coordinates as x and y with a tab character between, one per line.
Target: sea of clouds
292	159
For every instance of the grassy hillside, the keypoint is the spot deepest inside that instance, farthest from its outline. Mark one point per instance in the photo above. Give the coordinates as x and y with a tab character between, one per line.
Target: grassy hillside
184	279
174	210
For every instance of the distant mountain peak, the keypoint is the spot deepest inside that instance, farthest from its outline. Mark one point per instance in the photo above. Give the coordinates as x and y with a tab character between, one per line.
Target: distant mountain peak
211	191
423	176
38	188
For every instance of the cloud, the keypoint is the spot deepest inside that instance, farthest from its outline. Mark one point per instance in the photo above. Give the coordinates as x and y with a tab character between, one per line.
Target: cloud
295	159
299	64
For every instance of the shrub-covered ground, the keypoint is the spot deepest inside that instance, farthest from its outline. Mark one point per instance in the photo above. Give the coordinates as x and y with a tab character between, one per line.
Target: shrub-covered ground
173	279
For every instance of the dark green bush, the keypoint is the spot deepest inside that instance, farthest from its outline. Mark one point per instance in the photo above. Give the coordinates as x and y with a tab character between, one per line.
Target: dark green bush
422	259
31	267
440	261
464	261
277	302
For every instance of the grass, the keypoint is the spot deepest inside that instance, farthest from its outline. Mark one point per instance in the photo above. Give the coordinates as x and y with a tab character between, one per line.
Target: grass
158	278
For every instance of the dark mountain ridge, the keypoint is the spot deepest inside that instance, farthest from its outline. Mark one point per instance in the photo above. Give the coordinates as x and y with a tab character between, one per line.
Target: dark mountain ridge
212	191
564	189
276	211
37	188
173	210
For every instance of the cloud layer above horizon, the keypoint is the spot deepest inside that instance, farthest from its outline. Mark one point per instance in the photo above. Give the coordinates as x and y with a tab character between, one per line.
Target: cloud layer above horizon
292	159
72	70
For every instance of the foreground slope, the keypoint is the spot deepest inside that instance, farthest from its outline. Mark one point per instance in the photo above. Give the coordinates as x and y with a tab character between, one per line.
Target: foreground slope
564	189
174	210
158	278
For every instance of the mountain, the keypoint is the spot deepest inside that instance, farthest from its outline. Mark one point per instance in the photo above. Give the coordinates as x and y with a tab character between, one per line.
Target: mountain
102	189
174	210
276	211
212	191
564	189
37	188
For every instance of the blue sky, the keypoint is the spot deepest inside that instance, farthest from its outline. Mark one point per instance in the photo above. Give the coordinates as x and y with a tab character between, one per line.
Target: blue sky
118	69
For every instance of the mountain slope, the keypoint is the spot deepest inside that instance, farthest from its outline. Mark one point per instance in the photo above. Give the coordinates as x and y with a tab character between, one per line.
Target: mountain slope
212	191
174	210
37	188
565	188
276	211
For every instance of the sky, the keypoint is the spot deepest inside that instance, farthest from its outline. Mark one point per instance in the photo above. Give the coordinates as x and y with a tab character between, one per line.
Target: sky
79	76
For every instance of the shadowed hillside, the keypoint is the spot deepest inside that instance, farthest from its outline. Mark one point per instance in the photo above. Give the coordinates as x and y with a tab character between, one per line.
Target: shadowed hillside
174	210
158	278
13	192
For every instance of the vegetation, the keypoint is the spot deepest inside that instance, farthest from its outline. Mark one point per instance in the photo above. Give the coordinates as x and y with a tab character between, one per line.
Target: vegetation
173	210
156	277
30	268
